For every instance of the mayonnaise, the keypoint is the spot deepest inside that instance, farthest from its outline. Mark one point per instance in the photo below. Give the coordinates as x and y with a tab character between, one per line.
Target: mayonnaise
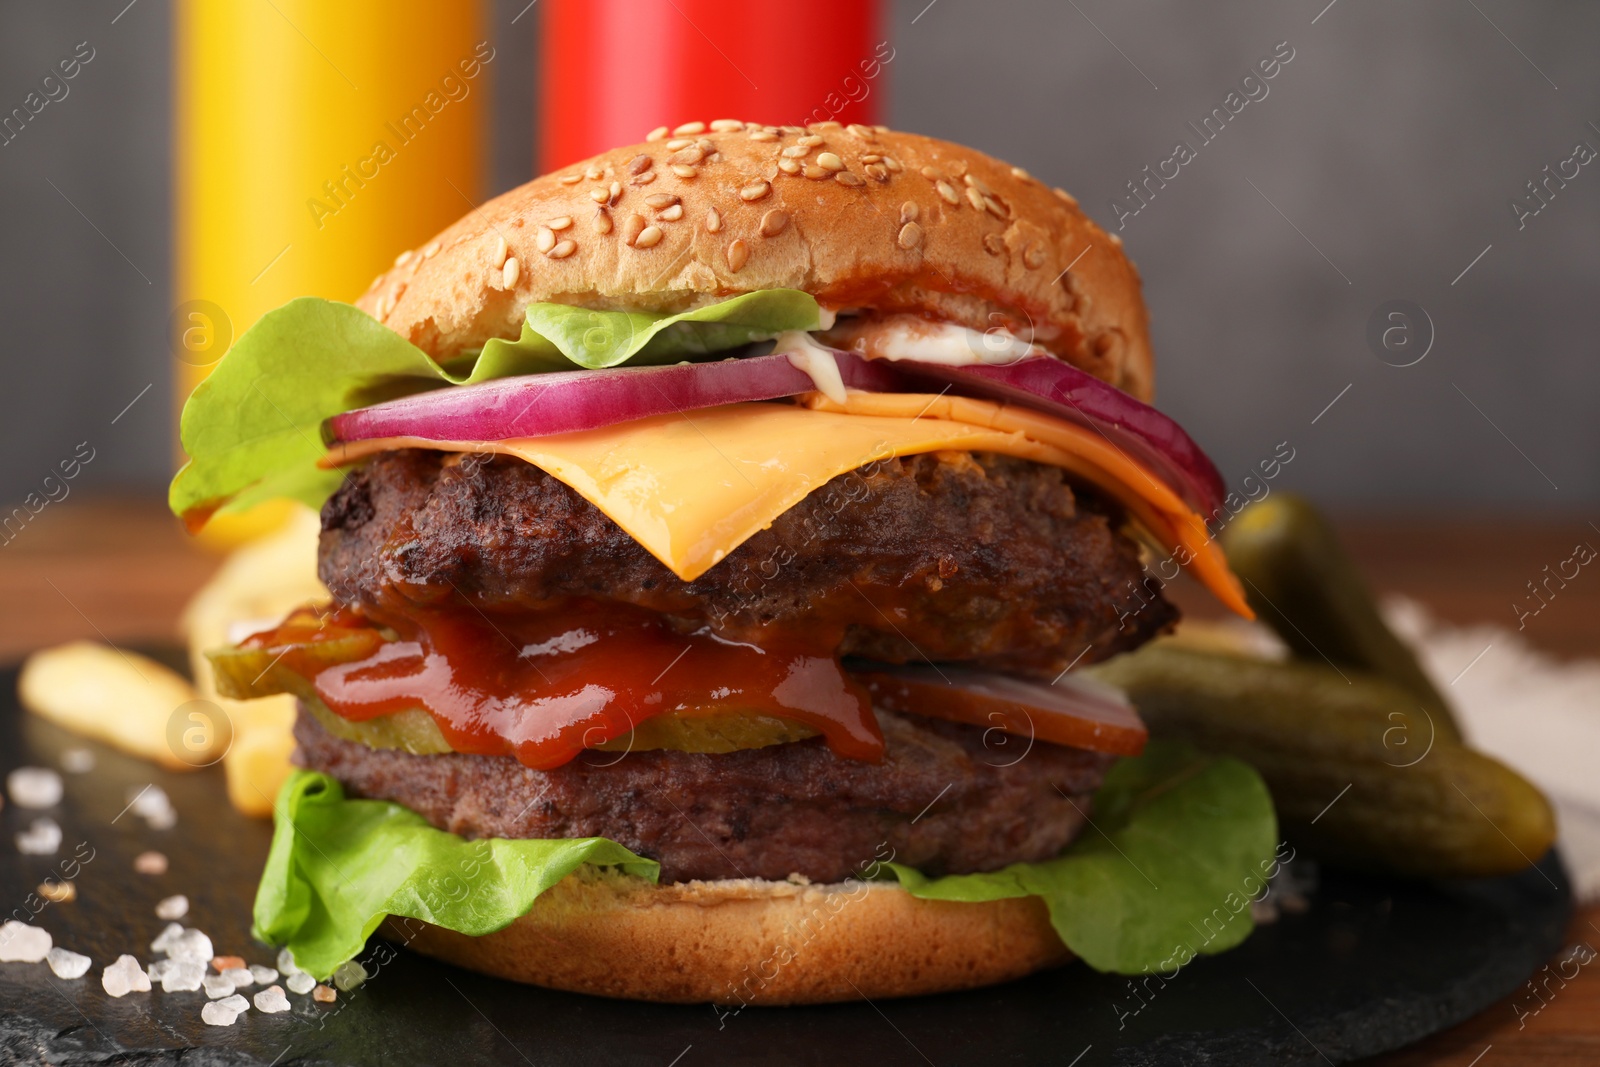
806	355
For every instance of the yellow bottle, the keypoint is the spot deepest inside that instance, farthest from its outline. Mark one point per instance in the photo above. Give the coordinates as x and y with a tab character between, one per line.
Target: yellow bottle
314	141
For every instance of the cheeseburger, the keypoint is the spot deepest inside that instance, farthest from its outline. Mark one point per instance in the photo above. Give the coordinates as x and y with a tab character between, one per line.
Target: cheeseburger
717	531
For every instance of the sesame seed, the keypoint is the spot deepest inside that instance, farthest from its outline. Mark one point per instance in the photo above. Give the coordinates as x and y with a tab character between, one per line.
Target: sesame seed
789	166
693	154
992	244
632	226
910	236
893	164
500	251
1033	256
546	240
816	173
755	190
1064	195
383	306
563	249
773	222
871	157
510	272
602	220
1115	239
830	161
689	128
995	207
683	170
648	237
644	179
727	125
977	183
974	198
858	130
810	140
881	129
877	171
593	173
403	258
930	174
948	193
656	134
660	200
599	196
706	145
430	249
795	151
713	221
671	214
679	142
738	255
763	135
616	192
571	179
909	211
640	163
1018	172
831	124
844	177
560	223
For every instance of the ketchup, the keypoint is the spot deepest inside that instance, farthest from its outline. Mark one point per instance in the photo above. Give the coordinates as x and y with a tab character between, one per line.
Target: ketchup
543	687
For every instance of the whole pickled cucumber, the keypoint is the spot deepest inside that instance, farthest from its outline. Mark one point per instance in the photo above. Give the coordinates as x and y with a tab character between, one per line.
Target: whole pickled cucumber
1299	579
1358	772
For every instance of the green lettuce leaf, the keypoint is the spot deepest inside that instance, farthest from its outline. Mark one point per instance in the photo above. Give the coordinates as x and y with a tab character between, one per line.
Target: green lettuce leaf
338	866
1182	841
1179	843
253	428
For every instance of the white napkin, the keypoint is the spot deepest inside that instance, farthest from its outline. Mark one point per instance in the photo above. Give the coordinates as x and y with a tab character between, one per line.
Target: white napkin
1538	714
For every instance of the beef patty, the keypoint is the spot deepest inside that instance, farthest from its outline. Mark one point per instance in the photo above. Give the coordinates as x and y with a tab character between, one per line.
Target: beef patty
947	799
946	556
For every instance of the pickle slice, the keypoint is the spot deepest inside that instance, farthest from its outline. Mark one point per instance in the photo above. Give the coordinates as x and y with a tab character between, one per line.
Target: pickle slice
721	732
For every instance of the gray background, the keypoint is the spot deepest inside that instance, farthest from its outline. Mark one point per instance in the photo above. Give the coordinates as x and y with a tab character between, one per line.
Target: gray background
1392	143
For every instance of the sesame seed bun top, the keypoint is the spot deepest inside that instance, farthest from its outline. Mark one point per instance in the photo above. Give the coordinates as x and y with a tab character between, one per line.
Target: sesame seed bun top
860	217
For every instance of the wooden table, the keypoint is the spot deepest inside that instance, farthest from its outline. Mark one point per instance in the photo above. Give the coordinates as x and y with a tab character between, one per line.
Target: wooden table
122	570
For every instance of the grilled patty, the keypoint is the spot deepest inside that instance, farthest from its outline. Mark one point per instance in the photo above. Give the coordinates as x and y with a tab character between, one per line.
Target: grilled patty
946	799
947	556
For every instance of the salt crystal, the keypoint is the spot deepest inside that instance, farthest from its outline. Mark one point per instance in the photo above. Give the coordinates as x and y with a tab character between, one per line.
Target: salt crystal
164	940
124	977
349	975
150	863
239	976
153	806
217	986
68	964
300	983
158	970
21	943
263	975
42	838
191	945
58	892
77	761
223	1012
324	995
184	976
34	787
271	1000
223	963
175	907
286	962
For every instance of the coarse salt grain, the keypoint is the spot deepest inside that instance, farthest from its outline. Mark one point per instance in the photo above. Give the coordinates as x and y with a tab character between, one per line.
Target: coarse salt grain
42	838
263	975
77	761
21	943
157	970
300	983
191	945
164	939
67	964
34	787
286	962
150	863
58	892
217	987
124	977
226	963
173	907
152	804
271	1000
324	995
239	976
223	1012
184	976
349	976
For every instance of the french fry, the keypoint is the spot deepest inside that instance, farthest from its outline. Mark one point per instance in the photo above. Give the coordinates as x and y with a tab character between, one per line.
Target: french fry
122	698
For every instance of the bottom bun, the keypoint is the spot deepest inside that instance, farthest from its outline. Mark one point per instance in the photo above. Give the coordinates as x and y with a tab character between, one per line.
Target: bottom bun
748	941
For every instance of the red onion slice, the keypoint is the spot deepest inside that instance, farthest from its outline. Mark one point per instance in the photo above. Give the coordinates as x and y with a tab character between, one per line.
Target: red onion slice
1074	710
537	405
1057	388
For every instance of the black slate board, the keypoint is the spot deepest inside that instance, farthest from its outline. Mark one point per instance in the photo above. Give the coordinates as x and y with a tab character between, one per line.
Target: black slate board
1371	966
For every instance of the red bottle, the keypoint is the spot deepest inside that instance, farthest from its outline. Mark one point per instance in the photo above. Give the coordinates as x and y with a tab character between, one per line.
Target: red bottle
613	70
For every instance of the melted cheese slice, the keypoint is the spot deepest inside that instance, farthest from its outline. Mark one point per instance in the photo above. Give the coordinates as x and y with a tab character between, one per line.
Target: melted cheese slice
691	487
